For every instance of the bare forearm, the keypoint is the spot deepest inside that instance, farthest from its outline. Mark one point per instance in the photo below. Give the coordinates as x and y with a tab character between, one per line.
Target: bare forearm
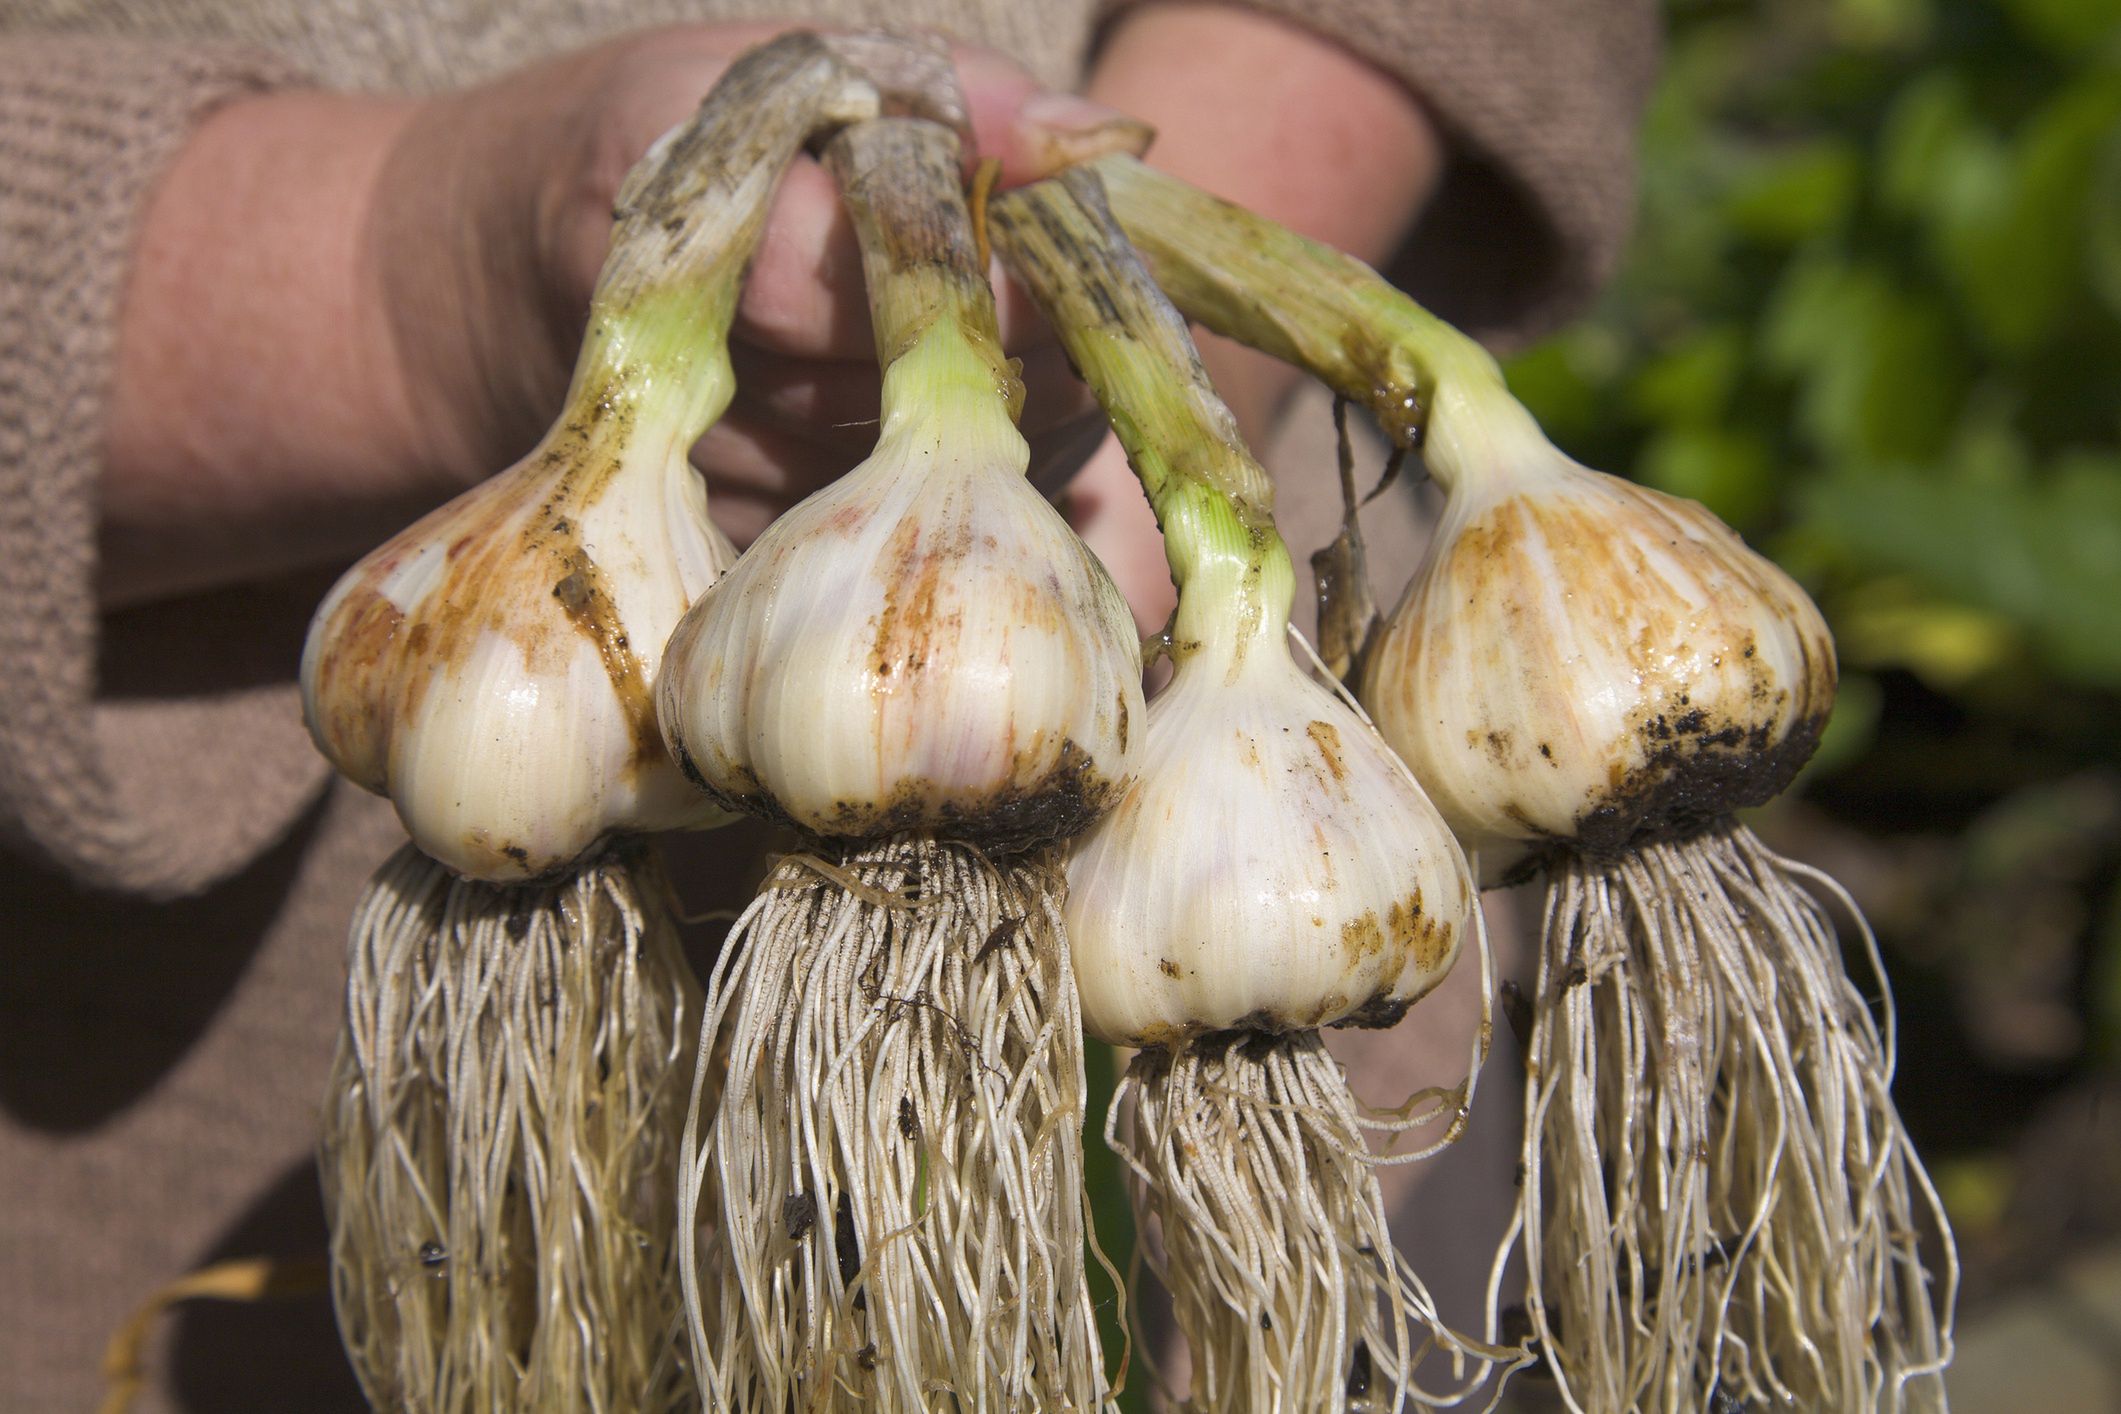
255	415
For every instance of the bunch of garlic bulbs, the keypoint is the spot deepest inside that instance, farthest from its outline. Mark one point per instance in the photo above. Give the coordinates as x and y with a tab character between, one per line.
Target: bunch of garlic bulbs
876	1197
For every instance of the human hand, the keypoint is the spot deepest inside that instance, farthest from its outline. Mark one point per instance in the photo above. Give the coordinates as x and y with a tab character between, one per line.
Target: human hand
521	234
411	320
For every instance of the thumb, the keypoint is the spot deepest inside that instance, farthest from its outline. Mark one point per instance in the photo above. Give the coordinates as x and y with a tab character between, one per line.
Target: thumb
1035	131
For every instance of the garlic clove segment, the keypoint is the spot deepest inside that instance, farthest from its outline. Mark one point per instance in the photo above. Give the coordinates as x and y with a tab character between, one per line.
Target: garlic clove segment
489	669
1582	660
924	643
1274	867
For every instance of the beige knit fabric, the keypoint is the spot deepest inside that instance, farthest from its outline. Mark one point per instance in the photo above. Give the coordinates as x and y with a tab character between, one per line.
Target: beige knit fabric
177	871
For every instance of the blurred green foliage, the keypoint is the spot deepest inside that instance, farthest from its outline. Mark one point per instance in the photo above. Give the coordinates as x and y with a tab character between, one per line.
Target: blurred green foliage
1871	316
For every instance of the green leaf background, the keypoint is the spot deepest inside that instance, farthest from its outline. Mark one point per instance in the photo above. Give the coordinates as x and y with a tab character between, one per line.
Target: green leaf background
1872	317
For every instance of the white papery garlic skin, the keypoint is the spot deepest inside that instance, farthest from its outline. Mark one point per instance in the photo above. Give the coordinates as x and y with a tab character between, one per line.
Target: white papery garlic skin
1273	868
489	668
1585	661
925	643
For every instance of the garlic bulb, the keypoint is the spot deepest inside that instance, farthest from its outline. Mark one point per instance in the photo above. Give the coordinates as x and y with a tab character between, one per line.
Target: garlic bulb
489	668
1274	868
1584	660
924	643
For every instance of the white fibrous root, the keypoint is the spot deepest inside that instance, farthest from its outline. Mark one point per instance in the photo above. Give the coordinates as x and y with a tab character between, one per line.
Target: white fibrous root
1274	869
1720	1200
1252	1156
923	669
1707	1087
500	1151
897	1150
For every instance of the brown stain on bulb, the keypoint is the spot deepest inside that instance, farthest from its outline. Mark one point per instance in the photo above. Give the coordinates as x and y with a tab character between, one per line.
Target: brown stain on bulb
1326	737
1362	938
1406	937
1426	940
587	601
1406	931
1158	1036
920	620
1713	728
1331	1007
348	724
912	584
1727	740
512	546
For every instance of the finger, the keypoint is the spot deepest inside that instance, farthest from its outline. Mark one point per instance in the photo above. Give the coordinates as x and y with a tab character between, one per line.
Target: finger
804	296
609	105
1034	131
804	293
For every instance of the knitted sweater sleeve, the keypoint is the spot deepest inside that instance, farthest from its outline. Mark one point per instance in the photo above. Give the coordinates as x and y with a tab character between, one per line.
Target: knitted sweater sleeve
150	752
1539	101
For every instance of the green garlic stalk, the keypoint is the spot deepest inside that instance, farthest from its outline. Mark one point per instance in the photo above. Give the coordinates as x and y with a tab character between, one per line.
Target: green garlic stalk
1719	1197
1307	304
1274	870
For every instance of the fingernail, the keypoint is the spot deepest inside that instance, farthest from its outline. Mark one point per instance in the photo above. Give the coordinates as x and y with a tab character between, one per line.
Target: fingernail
1063	129
1071	112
